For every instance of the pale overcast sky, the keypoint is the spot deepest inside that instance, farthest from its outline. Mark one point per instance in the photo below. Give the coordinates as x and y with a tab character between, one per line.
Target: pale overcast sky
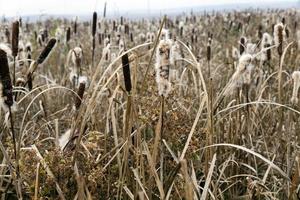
24	7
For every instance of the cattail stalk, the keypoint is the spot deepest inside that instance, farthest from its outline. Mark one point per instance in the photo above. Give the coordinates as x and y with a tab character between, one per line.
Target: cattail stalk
7	95
210	133
15	45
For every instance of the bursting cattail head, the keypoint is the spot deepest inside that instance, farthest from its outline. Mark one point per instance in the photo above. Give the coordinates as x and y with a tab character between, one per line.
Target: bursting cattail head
296	80
94	24
15	38
265	44
279	37
242	75
46	51
162	67
126	72
76	56
6	93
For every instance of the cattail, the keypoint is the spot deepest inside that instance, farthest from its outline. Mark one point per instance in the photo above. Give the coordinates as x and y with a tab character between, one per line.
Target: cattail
259	32
94	25
44	54
15	38
122	20
279	36
296	79
6	86
80	92
242	75
162	67
283	21
75	26
126	72
265	44
242	45
104	12
208	52
131	37
7	34
114	26
68	34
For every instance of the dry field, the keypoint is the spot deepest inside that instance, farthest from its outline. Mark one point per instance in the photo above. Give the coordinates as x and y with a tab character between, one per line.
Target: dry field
197	106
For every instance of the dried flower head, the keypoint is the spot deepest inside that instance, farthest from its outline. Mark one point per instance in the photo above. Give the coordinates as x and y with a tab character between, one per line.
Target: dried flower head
126	72
162	67
46	51
242	75
15	38
279	37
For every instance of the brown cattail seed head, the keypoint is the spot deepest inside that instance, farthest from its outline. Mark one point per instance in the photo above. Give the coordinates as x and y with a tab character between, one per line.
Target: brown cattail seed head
44	54
75	26
5	79
242	45
208	53
268	52
15	38
68	34
94	25
80	93
279	37
126	72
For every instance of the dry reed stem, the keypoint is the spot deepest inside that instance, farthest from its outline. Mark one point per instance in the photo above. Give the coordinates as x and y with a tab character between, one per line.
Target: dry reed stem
209	177
49	172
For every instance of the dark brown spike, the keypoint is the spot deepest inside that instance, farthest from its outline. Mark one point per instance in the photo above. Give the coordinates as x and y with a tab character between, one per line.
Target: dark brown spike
126	72
75	26
15	38
280	38
68	34
80	92
94	25
44	54
5	79
104	12
208	52
242	45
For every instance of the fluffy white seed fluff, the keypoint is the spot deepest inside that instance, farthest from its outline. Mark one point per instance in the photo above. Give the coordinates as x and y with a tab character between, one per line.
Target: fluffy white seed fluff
64	139
242	75
77	55
250	48
296	79
175	53
235	53
266	40
106	53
